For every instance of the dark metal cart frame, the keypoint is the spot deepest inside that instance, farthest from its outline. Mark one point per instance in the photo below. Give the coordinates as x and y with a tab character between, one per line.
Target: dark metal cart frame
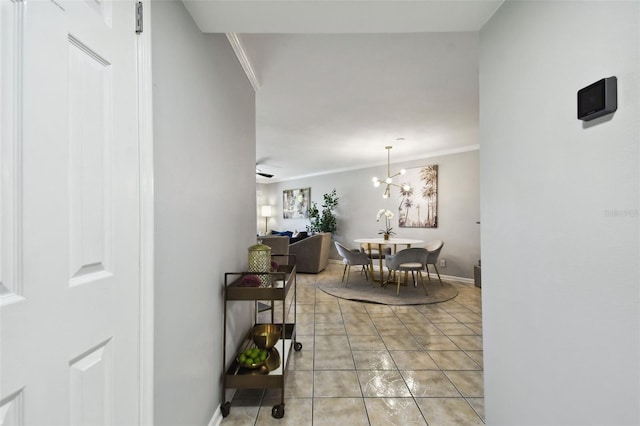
232	379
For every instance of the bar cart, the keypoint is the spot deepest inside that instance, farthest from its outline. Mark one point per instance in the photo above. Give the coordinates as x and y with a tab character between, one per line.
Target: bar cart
273	373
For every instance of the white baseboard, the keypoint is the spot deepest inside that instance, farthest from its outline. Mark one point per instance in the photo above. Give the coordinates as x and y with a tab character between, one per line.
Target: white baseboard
217	415
217	418
452	278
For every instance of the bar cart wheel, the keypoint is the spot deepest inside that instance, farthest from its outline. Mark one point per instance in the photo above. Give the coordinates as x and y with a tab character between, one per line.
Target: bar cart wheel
278	411
297	346
225	409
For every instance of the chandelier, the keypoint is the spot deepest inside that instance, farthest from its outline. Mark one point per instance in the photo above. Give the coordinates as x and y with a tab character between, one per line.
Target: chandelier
389	180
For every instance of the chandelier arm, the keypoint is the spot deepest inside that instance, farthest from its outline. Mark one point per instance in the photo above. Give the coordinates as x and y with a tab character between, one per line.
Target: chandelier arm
388	180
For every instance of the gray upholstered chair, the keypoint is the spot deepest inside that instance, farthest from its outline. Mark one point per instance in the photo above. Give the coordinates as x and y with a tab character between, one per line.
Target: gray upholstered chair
407	260
350	257
312	253
375	254
433	248
279	247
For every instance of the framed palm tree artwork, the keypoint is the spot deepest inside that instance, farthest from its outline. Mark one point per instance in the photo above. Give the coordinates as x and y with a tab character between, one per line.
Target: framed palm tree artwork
418	206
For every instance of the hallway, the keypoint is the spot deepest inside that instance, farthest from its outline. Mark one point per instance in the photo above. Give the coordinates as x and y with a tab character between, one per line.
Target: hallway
368	364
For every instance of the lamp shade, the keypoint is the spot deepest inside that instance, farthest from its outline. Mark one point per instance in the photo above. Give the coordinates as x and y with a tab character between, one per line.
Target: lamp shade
266	211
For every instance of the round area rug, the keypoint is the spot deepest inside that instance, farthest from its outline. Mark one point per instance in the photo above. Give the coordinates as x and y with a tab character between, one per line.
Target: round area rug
362	291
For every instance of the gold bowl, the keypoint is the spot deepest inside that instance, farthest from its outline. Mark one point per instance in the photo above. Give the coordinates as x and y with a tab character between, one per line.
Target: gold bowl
266	336
255	364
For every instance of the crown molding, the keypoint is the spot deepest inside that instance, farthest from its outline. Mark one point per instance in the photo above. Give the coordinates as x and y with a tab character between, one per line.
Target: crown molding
442	153
244	60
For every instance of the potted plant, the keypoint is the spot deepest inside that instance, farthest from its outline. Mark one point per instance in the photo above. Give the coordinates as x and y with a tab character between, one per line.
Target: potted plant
325	221
388	230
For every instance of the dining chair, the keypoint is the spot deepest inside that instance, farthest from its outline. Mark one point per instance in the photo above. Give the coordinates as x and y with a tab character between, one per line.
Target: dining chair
352	257
408	260
433	248
375	253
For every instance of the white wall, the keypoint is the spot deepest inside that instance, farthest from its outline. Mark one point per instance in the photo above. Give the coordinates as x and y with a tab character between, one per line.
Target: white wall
559	215
204	190
458	207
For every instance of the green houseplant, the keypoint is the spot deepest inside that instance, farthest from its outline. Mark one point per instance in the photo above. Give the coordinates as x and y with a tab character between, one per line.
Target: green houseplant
325	221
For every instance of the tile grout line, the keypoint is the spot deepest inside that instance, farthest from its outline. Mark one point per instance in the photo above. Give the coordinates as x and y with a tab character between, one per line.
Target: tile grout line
355	367
414	335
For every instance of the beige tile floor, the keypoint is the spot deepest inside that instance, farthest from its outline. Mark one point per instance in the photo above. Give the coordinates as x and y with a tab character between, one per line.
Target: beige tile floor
369	364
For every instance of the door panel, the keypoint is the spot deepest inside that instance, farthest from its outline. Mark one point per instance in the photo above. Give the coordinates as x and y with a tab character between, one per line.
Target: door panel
70	214
11	40
90	117
92	387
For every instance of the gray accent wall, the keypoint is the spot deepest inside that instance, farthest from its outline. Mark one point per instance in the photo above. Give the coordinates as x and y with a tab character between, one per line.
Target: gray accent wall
560	258
458	207
204	143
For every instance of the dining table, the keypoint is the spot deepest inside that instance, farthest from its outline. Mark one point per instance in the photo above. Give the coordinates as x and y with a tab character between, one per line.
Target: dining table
379	243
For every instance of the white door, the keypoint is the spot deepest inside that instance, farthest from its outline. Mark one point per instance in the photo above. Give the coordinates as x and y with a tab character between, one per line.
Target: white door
70	213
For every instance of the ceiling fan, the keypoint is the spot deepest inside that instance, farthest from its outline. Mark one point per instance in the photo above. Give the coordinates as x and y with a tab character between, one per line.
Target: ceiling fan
260	173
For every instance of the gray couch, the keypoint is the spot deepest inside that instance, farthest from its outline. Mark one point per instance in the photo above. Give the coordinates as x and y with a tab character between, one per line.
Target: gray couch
278	244
312	253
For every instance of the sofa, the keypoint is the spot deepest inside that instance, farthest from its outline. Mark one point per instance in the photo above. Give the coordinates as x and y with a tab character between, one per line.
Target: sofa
279	246
312	252
293	236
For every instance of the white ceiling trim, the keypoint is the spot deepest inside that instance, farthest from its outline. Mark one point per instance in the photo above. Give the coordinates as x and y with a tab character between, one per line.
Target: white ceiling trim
244	60
441	153
339	16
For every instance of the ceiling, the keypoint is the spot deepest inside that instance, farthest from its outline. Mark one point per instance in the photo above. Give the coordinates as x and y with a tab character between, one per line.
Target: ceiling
337	81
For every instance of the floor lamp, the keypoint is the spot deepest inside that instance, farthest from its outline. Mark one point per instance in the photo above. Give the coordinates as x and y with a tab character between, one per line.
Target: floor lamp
266	213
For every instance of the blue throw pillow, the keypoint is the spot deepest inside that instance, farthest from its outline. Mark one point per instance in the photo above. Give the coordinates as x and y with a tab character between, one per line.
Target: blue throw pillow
282	233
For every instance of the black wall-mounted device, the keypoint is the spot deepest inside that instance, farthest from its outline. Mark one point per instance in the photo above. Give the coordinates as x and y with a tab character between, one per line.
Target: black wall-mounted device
598	99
